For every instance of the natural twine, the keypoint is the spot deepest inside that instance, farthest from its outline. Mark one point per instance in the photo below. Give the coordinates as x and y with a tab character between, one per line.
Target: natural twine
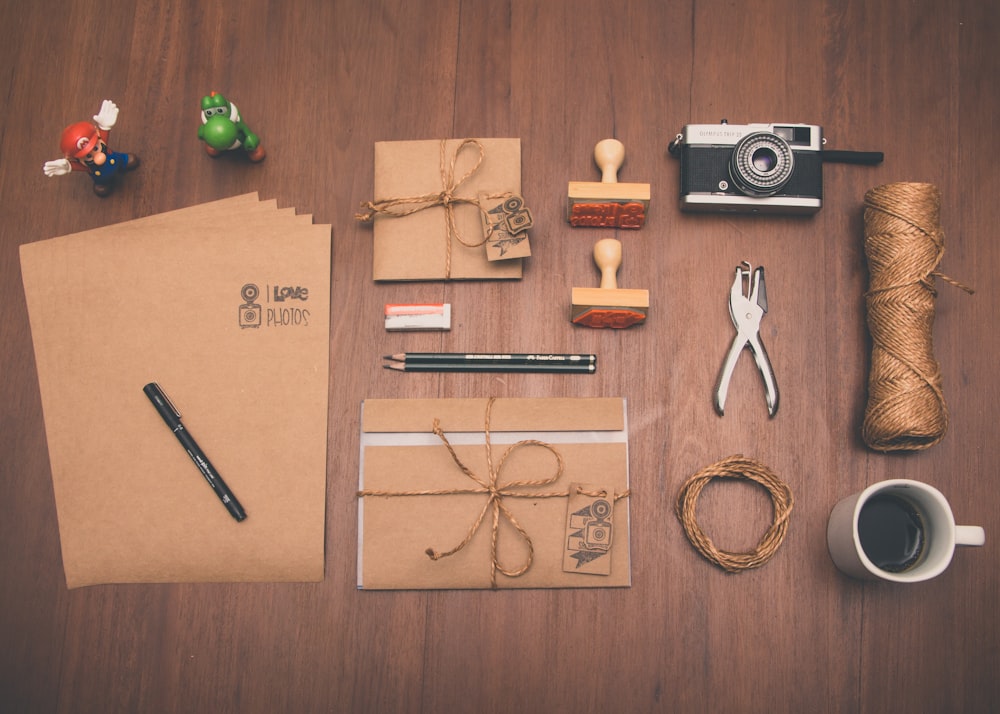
496	493
402	206
737	467
904	244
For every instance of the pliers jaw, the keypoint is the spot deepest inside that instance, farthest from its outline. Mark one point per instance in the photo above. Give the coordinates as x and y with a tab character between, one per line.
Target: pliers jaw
747	305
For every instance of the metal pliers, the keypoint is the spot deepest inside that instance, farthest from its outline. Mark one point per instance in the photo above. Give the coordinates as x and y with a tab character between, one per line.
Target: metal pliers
747	305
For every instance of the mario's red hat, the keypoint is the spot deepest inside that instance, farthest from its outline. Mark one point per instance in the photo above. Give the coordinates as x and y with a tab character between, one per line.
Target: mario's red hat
79	139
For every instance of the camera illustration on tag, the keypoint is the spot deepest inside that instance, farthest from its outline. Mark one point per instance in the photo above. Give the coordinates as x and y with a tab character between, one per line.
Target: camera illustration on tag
588	530
506	221
750	168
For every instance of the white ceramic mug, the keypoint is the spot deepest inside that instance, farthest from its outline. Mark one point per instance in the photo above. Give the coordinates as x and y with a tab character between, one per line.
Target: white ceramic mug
941	535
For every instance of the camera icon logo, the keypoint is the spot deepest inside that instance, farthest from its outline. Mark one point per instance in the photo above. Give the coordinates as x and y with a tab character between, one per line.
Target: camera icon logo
597	534
249	310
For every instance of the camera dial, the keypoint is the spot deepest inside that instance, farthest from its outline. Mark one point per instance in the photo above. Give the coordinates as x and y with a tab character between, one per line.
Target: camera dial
761	164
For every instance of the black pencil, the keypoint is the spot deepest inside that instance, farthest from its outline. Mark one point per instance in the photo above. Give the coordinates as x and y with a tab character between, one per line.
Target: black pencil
577	368
492	358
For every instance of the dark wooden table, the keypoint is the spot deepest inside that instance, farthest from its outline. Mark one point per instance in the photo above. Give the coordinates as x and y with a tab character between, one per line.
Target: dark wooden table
322	82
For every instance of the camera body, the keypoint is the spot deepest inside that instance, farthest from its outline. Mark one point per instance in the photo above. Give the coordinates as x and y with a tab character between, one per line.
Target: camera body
750	168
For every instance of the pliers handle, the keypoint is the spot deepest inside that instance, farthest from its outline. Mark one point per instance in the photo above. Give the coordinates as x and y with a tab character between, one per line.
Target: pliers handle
747	310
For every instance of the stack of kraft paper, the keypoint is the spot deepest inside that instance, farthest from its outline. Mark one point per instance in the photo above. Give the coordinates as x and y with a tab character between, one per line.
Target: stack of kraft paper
227	306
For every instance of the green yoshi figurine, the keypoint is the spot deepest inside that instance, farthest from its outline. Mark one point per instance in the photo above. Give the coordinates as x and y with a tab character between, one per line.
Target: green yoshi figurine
222	129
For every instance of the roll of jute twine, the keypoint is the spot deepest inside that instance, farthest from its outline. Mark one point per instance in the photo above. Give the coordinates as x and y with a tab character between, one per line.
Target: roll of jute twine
904	245
735	467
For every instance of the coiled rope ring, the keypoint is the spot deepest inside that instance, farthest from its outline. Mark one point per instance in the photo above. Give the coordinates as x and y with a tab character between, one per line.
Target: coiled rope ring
737	467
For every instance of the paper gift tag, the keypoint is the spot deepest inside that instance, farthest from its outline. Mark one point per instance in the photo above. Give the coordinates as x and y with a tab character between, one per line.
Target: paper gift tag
506	221
589	530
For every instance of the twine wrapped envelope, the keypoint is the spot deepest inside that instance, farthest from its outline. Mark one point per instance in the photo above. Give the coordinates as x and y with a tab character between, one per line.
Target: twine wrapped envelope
474	493
427	222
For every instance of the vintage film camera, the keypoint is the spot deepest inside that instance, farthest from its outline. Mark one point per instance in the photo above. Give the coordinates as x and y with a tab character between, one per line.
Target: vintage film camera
750	168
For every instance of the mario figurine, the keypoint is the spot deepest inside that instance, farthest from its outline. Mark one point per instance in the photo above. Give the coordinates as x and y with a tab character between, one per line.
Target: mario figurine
85	148
222	129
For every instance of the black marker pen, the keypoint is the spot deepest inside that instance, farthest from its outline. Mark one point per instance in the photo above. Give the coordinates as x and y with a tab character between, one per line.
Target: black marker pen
173	419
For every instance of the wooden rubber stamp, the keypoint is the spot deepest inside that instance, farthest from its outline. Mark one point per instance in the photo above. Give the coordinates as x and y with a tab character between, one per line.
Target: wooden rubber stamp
608	203
609	305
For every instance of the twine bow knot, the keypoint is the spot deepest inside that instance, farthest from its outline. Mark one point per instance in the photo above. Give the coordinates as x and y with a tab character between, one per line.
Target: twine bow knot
399	207
494	505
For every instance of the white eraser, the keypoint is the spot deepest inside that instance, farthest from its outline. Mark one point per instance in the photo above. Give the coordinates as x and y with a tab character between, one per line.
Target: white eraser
418	317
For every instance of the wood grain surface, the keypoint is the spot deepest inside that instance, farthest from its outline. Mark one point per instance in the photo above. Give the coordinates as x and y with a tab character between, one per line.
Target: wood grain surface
321	82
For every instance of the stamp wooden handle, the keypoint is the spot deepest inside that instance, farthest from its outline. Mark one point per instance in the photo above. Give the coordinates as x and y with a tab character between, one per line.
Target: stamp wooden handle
609	155
608	256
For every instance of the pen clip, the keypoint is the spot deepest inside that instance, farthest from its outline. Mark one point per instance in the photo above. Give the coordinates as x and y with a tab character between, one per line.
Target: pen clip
155	392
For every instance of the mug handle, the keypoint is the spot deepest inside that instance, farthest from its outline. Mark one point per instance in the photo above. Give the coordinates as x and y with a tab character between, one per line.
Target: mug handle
969	535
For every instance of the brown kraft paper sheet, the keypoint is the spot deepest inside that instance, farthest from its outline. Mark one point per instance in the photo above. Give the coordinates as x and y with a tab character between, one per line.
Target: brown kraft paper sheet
163	299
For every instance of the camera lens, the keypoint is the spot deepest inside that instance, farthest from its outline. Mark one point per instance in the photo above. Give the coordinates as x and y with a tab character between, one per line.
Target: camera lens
761	164
764	160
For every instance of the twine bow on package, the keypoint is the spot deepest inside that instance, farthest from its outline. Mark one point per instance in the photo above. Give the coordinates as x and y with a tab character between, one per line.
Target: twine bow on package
448	209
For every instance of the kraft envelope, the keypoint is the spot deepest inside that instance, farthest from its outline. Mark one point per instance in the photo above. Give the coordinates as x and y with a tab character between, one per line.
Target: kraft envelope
400	454
415	247
226	306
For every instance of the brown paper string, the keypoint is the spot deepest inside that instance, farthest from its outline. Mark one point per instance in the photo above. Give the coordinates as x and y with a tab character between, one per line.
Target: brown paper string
904	244
741	468
407	205
494	503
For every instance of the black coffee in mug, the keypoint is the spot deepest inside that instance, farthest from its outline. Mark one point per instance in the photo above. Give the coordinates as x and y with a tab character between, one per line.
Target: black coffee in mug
891	532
